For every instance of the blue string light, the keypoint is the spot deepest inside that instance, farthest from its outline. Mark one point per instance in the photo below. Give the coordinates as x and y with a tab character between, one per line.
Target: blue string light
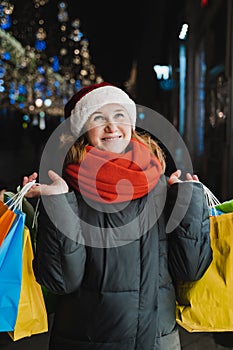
6	56
6	22
40	45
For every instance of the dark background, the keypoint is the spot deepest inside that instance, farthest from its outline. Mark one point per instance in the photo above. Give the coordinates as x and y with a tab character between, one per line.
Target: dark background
119	32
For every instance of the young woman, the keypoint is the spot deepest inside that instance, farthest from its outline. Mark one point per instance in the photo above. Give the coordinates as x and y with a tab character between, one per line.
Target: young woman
102	245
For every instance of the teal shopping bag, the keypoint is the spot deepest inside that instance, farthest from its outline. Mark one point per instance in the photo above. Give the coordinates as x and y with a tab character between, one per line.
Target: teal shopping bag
11	272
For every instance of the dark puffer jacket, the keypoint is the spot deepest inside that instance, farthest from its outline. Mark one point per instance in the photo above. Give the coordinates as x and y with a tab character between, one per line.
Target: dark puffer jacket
118	294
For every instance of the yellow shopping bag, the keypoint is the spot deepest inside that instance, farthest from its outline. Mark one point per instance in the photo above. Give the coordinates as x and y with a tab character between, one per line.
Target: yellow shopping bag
32	314
206	305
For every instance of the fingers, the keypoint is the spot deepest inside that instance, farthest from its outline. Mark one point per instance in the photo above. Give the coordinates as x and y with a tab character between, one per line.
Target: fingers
196	178
26	179
33	176
30	178
53	176
190	177
174	177
177	173
2	195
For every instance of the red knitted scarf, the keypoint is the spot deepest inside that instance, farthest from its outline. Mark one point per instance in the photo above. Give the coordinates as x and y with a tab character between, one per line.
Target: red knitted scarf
113	178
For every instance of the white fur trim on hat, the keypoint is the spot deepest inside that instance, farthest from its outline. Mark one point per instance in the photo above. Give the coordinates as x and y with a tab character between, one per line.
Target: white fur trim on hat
96	99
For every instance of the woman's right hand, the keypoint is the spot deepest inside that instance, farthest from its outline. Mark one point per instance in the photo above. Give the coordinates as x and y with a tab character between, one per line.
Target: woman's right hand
2	195
58	185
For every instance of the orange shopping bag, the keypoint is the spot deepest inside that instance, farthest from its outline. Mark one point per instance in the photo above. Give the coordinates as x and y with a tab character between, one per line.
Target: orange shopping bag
7	217
3	208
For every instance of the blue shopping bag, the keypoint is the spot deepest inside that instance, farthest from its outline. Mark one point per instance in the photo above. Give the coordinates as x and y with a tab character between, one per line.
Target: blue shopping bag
11	272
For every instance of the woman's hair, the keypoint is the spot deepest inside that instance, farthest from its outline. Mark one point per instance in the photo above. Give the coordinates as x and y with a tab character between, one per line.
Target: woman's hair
77	151
153	145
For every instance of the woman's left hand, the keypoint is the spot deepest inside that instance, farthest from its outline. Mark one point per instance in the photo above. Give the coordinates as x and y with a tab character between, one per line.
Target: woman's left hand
175	177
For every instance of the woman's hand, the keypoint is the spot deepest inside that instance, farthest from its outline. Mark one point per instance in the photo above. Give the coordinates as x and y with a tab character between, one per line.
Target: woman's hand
2	195
174	178
58	185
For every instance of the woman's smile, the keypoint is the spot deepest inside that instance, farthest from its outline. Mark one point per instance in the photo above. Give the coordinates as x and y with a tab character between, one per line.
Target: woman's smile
112	138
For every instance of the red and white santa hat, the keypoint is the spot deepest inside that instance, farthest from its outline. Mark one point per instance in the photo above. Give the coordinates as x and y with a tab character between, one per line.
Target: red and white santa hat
92	97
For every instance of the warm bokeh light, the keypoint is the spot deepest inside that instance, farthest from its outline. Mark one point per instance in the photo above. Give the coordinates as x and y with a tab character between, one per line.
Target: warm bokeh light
31	80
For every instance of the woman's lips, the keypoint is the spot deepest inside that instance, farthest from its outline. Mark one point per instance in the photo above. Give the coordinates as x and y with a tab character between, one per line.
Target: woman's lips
113	138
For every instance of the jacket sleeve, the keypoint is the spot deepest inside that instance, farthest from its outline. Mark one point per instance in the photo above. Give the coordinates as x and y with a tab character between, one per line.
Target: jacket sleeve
59	258
189	249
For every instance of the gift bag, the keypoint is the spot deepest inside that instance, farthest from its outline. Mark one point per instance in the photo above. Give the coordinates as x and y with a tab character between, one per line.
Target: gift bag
32	315
31	214
11	272
206	305
11	261
7	217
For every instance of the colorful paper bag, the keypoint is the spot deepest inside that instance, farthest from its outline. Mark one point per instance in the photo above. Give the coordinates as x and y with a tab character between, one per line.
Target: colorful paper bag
32	315
206	305
7	217
11	272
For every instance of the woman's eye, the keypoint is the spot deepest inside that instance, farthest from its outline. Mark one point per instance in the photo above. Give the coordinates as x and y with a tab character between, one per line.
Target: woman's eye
119	116
98	118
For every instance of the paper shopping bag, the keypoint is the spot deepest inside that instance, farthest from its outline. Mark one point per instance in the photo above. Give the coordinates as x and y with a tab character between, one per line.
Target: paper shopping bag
3	208
32	315
11	272
31	214
206	305
226	207
7	217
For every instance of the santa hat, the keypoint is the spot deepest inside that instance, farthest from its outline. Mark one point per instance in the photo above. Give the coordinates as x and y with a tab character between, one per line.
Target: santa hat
90	98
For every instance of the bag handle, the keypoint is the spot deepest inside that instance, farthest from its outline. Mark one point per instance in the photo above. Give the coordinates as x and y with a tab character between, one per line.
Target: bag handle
212	200
16	201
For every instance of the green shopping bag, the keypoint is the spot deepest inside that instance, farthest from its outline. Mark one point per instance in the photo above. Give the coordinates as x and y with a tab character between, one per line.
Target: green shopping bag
225	207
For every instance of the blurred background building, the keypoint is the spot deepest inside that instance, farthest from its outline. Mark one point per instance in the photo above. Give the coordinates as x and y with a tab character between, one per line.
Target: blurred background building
174	57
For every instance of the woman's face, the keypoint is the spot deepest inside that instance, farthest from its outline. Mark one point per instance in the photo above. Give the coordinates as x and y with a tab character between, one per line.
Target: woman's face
109	128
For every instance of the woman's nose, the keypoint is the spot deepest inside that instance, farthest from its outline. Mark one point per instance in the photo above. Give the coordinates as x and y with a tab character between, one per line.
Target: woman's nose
110	126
